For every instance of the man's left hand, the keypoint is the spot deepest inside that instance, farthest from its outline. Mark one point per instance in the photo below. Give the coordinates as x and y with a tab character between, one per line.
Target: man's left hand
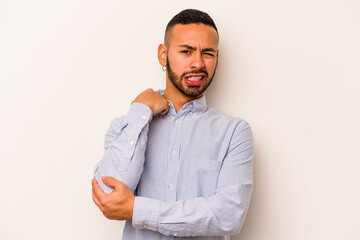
119	204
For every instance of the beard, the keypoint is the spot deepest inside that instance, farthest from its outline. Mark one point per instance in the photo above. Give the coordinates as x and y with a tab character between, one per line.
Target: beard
189	91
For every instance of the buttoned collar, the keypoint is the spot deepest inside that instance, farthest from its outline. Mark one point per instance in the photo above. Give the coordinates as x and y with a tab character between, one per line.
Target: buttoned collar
197	106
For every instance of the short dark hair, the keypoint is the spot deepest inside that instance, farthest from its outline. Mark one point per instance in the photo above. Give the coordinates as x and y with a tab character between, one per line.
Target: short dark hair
189	16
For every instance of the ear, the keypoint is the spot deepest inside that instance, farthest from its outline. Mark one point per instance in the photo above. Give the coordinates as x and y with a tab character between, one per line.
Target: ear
162	54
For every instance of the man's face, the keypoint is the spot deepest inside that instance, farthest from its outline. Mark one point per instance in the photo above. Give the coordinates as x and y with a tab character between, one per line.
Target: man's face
192	58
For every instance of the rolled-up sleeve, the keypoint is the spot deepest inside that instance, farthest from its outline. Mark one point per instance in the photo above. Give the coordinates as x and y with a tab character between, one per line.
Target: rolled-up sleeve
125	144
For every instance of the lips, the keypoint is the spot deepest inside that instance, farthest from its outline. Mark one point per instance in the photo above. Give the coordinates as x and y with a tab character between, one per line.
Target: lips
194	80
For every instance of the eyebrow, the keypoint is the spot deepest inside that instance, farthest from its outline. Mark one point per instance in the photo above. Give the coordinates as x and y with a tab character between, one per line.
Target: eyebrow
194	48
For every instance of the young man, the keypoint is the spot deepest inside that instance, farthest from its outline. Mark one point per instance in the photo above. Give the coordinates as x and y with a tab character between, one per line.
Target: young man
189	165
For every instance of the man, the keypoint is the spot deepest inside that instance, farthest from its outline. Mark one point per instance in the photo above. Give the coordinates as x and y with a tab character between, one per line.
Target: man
189	165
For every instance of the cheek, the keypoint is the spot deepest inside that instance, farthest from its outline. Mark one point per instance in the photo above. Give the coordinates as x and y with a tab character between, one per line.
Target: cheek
178	65
210	65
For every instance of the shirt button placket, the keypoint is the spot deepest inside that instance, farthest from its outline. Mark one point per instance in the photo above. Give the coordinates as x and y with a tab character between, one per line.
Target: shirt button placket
173	161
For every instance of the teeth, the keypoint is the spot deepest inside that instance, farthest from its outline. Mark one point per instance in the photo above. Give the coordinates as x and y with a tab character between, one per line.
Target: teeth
195	78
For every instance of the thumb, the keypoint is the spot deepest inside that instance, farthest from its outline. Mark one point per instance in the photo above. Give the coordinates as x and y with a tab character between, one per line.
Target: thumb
110	181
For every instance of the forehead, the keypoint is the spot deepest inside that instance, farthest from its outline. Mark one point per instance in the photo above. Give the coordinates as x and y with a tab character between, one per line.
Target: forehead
194	34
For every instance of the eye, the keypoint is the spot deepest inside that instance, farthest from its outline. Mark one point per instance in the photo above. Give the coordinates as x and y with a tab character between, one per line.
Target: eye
209	54
185	51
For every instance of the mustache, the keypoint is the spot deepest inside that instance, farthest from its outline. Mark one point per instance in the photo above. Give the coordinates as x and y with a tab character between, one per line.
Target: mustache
194	71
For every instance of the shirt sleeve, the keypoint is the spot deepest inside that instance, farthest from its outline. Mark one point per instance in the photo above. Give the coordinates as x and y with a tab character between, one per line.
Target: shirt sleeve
217	215
125	144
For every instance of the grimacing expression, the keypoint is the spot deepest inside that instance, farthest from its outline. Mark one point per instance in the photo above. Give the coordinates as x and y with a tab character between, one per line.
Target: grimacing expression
193	91
192	58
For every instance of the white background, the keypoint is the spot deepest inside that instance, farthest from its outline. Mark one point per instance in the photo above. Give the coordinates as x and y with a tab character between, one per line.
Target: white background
290	68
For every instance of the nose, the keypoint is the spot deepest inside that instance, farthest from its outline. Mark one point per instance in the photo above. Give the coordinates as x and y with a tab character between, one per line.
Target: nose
197	61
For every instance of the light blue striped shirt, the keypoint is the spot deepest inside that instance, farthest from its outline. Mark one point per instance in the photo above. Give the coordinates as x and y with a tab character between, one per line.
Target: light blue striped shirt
191	171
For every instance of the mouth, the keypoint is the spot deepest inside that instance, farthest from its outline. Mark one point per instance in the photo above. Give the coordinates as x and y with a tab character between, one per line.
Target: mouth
194	80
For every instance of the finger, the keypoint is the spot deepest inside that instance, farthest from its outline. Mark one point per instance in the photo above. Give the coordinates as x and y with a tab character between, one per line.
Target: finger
96	200
163	112
111	182
99	193
166	108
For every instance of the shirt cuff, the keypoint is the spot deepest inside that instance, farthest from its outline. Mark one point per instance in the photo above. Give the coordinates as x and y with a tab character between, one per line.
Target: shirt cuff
139	114
146	213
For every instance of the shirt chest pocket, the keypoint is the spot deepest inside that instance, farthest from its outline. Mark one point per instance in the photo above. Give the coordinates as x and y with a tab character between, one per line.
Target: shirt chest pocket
203	176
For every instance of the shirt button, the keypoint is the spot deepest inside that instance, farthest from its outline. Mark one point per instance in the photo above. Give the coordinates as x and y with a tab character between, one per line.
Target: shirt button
194	114
143	117
171	187
132	143
145	226
177	121
173	152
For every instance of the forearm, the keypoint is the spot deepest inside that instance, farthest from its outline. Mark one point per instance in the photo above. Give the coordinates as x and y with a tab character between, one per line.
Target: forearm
125	145
219	215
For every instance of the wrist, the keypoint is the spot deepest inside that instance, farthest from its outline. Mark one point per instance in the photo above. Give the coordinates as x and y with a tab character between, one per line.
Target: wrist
131	208
149	105
139	114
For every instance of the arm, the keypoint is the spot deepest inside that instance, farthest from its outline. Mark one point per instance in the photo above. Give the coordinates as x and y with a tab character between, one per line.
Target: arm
125	141
125	144
218	215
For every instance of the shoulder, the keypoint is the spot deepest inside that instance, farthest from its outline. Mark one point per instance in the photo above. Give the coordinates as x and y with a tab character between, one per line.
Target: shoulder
223	118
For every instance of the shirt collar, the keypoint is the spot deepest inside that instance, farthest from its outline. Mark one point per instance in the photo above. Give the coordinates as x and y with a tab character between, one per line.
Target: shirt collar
197	106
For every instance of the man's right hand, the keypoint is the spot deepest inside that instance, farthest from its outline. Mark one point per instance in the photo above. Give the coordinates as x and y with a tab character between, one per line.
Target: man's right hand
154	100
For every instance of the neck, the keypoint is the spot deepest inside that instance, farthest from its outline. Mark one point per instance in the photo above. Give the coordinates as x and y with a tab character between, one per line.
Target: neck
176	97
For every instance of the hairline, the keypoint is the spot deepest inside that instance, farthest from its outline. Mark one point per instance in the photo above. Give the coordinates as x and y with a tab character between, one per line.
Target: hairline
168	31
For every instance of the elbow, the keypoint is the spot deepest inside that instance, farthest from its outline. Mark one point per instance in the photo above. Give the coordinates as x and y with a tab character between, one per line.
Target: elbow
234	227
103	186
232	216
